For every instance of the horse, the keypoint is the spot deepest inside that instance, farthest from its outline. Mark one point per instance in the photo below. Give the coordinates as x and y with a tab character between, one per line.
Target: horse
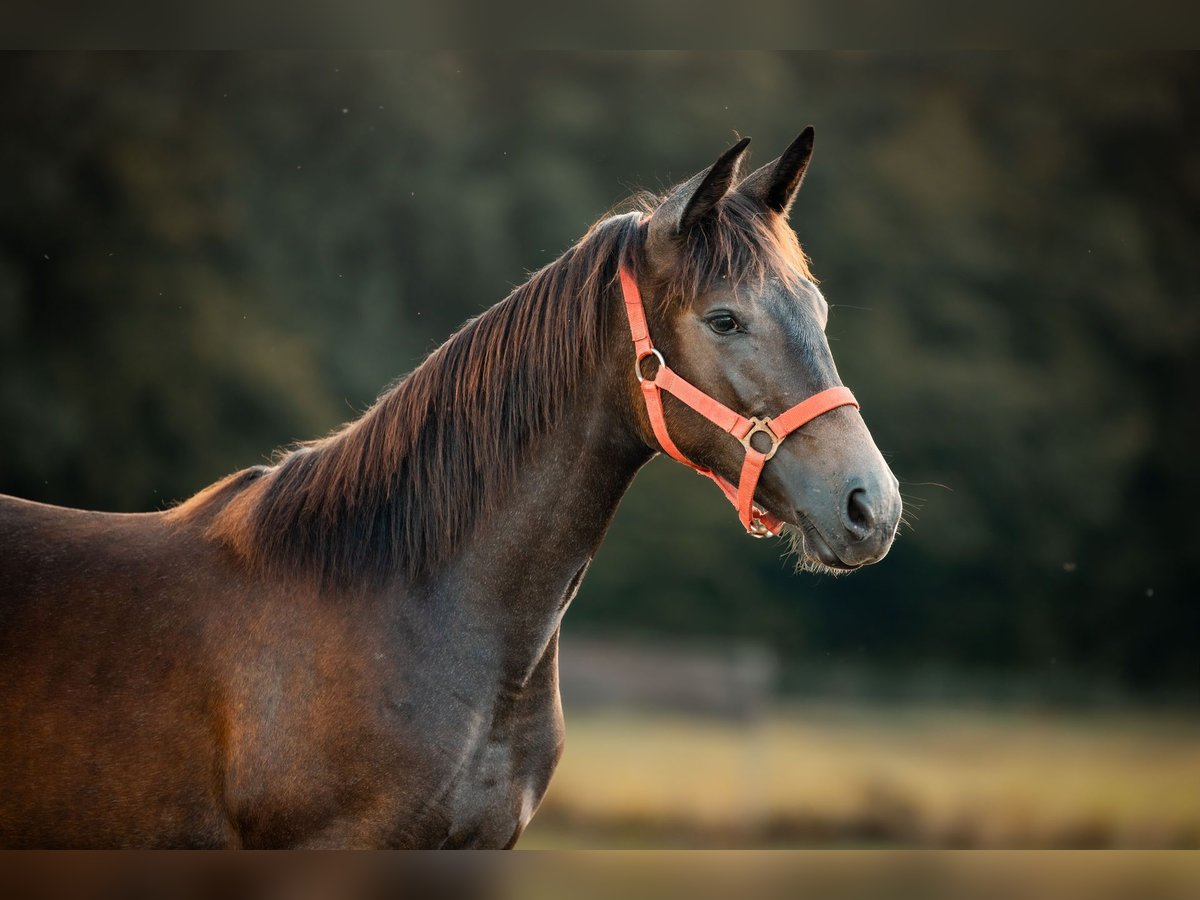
357	645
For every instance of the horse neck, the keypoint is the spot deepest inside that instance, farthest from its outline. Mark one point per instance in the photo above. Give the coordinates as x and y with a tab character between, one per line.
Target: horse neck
531	550
489	526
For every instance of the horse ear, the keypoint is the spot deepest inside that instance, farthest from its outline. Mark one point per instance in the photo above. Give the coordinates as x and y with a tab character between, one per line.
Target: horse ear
776	183
693	200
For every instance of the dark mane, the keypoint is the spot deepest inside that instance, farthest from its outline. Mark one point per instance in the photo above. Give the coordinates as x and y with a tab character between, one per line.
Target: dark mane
397	490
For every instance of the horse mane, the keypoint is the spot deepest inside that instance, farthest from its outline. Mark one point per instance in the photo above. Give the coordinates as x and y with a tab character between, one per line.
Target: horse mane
397	490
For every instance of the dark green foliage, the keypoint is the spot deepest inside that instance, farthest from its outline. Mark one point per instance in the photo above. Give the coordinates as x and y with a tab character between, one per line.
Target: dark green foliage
204	257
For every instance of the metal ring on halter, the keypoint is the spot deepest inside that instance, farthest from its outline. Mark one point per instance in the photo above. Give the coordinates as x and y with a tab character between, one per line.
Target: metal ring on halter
762	426
637	364
757	529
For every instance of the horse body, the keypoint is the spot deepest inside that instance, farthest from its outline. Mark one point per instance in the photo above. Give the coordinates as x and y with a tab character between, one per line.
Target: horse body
104	666
357	646
161	693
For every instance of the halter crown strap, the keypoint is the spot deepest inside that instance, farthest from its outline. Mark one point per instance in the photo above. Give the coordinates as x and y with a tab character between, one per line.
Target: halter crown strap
756	521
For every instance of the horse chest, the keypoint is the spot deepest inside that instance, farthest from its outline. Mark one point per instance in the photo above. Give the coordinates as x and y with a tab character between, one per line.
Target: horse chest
495	757
493	798
476	785
506	766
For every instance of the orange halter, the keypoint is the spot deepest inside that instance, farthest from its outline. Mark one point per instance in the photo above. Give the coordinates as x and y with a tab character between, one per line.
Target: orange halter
756	521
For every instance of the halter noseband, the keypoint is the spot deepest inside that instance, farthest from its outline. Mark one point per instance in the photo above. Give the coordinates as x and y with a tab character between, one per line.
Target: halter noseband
756	521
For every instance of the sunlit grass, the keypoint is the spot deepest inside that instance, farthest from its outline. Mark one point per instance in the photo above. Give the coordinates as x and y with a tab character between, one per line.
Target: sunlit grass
819	775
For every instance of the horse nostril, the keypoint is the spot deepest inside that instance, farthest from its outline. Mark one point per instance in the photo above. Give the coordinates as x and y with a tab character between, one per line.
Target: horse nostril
859	516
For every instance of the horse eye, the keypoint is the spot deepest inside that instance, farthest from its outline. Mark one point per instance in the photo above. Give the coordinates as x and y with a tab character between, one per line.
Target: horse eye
722	323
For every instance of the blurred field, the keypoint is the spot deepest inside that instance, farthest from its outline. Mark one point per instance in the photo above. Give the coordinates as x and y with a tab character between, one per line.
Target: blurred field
819	775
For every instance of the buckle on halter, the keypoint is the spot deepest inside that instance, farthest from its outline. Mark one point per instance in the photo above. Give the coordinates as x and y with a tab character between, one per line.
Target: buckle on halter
757	529
637	364
762	426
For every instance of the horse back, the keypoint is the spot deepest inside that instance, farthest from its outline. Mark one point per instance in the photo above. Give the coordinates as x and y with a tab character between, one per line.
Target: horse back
106	697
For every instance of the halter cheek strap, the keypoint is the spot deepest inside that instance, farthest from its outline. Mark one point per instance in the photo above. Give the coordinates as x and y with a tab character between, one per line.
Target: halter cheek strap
756	521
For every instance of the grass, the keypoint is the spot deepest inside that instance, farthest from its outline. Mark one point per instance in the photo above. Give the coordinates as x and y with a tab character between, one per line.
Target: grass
827	775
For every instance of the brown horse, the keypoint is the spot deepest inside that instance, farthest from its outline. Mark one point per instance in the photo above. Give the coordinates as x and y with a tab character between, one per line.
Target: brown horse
357	646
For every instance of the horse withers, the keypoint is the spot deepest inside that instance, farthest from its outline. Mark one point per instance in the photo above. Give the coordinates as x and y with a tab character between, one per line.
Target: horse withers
357	646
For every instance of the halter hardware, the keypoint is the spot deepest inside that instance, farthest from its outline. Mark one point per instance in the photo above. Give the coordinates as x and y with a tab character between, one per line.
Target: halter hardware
757	521
637	365
756	528
761	426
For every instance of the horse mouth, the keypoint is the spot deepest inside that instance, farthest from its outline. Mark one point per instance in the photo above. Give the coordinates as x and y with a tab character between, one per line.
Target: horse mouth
817	549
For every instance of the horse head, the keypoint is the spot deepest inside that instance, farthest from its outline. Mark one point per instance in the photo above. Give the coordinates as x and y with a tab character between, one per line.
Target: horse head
736	337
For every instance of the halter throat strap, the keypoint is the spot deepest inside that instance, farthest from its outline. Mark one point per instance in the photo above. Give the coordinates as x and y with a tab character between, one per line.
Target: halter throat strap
755	520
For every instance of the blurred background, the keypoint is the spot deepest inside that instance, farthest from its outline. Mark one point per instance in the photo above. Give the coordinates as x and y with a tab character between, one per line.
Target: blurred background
204	257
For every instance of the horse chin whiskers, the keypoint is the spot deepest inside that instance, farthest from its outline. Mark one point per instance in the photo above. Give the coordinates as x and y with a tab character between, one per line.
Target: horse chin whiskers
804	561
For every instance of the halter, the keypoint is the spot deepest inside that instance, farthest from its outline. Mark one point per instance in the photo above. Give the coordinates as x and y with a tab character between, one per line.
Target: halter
757	522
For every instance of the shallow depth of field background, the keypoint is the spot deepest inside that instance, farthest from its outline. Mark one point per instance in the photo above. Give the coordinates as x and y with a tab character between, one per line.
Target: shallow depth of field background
203	257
